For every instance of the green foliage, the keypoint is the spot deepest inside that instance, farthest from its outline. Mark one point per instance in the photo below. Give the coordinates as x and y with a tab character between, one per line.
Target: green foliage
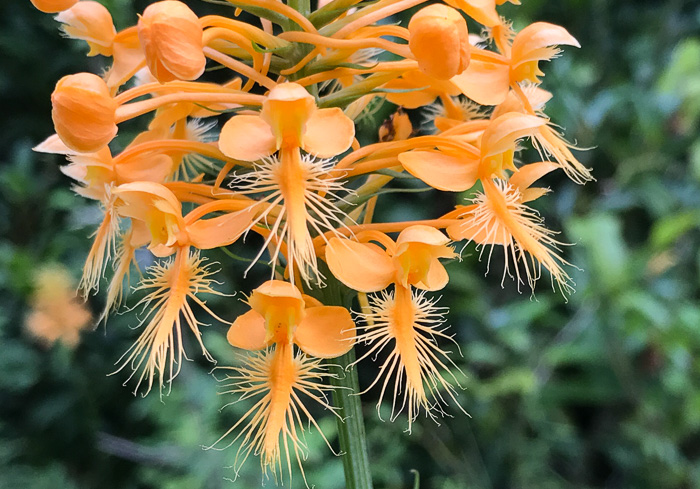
601	391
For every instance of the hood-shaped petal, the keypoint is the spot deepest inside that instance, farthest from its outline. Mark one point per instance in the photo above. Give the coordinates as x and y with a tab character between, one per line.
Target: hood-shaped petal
247	138
325	332
282	306
364	267
287	109
328	133
441	171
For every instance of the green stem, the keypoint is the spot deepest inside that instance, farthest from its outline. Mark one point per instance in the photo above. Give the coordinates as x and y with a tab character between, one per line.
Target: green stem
351	426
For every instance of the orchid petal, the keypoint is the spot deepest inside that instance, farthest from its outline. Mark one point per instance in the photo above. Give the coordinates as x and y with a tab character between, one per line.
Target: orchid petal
441	171
248	332
364	267
247	138
325	332
329	132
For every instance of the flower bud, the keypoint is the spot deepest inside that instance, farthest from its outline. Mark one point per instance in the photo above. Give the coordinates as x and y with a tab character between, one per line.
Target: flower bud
91	22
439	40
53	6
83	112
171	36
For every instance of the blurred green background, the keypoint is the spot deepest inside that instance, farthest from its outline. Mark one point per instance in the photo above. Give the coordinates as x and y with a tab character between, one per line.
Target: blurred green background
602	391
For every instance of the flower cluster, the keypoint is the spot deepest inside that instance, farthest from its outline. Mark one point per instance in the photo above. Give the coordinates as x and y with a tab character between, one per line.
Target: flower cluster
286	165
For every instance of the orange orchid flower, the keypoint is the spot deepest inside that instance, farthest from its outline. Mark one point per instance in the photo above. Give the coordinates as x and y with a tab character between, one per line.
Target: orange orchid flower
457	167
547	139
170	286
408	320
161	212
290	122
488	82
500	217
281	316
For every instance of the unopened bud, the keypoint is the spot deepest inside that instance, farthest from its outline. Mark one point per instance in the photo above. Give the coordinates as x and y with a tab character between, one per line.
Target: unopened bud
83	112
171	36
439	40
53	6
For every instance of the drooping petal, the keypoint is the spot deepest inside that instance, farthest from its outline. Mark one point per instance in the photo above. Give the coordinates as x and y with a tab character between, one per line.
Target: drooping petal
328	133
441	171
248	332
436	278
484	82
482	11
128	58
219	231
247	138
501	134
325	332
149	168
53	145
529	174
409	99
364	267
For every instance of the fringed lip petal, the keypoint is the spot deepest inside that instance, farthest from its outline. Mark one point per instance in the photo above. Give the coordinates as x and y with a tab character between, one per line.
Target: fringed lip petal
484	82
364	267
325	332
247	138
441	171
329	132
248	332
502	133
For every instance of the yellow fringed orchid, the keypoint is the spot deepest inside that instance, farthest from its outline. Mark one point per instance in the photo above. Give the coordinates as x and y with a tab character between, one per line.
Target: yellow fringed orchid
487	81
280	317
291	122
404	321
500	217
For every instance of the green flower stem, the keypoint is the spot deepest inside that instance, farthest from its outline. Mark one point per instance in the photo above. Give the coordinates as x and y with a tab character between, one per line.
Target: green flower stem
351	426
